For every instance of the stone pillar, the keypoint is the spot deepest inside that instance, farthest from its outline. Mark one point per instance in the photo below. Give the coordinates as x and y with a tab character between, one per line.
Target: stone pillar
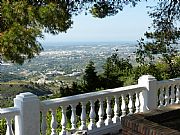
28	122
148	98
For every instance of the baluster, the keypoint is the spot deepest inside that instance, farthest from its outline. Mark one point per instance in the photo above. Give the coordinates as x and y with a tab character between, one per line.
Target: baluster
101	123
116	118
123	106
63	120
137	103
172	94
130	105
73	117
53	121
177	94
161	97
92	116
9	130
44	123
83	117
108	120
166	96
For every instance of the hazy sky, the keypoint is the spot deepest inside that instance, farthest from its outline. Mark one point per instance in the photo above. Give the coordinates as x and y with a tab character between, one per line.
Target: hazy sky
127	25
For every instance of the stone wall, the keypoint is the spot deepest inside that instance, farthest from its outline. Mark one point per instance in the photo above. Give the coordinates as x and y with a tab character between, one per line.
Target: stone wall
138	124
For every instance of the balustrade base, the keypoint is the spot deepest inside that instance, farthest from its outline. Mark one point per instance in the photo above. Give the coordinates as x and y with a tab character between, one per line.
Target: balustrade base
110	129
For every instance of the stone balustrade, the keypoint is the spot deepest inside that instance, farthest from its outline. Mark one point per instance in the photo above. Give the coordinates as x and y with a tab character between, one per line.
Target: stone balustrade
9	114
168	92
100	112
130	103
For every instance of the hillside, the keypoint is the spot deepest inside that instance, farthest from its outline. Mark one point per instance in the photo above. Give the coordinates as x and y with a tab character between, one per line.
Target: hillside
9	90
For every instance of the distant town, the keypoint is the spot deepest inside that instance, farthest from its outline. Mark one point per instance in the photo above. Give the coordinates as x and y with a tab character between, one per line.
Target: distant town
64	61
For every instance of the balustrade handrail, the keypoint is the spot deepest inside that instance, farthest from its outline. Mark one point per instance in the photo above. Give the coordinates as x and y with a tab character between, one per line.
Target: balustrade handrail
168	82
88	96
11	111
147	95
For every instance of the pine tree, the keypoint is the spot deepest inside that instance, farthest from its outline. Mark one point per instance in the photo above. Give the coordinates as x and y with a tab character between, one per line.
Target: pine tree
23	22
90	77
162	39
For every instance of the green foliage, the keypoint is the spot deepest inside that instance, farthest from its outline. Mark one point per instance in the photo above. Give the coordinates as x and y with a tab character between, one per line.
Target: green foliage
2	127
18	32
165	35
22	23
114	69
161	44
55	18
9	90
90	77
5	77
160	69
103	9
169	70
74	89
147	69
